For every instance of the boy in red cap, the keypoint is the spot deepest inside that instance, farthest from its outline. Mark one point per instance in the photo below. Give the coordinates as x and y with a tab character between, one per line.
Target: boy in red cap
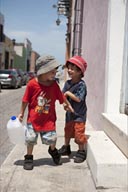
75	91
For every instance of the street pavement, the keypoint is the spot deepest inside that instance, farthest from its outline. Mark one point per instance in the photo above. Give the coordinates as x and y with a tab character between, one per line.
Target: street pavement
46	176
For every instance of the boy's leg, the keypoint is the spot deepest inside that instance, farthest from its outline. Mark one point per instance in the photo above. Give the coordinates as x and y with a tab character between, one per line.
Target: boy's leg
28	161
69	133
54	153
65	149
67	141
29	149
81	140
31	140
81	147
50	138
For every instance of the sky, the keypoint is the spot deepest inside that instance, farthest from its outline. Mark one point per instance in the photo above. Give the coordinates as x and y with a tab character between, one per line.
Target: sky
35	20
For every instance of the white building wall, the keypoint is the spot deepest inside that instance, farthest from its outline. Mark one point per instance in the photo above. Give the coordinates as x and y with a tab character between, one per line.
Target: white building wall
124	86
94	51
19	50
103	44
114	57
103	49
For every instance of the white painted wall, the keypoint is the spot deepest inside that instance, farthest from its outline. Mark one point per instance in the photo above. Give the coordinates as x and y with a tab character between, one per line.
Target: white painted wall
19	50
102	47
124	86
114	56
94	51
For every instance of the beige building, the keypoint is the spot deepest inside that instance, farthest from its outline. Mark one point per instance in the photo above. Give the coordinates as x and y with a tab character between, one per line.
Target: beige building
7	52
34	56
14	54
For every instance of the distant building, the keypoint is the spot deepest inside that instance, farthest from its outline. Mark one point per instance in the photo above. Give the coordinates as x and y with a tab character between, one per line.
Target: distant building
1	38
6	48
14	54
22	58
28	50
34	56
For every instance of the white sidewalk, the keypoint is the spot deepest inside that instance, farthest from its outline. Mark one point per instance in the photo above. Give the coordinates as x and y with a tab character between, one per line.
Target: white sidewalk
46	177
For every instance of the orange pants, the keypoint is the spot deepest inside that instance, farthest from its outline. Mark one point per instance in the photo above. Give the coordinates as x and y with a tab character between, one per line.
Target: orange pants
76	130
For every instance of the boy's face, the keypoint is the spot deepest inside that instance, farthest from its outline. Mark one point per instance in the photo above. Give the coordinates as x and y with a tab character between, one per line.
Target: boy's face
73	71
49	76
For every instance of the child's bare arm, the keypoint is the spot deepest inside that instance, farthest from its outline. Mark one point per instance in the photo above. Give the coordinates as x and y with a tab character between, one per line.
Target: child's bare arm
22	110
72	96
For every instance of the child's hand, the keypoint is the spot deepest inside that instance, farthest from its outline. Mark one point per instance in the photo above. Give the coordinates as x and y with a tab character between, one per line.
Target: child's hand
20	117
68	108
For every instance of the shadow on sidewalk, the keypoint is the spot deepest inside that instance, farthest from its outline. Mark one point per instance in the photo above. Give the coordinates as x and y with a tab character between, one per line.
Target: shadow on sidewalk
37	162
47	161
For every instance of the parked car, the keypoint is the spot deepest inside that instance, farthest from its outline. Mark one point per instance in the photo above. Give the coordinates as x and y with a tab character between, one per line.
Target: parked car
26	77
21	74
0	86
10	78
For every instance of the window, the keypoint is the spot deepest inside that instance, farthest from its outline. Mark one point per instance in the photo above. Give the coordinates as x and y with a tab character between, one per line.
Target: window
1	33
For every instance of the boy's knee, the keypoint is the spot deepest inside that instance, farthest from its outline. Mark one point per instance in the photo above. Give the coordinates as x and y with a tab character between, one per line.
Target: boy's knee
31	140
49	138
80	140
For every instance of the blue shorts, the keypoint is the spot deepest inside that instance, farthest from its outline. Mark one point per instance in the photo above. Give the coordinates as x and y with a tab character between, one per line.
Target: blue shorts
47	138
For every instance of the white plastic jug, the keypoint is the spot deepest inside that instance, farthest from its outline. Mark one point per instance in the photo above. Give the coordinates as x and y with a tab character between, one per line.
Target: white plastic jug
16	131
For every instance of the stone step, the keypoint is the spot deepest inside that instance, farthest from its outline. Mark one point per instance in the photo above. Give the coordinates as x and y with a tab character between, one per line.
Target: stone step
107	163
116	127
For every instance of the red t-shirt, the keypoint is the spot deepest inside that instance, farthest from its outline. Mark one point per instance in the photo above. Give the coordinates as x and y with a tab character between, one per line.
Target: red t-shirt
41	104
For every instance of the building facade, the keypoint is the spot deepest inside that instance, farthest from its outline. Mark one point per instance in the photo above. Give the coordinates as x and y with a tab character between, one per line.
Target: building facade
7	52
34	56
99	33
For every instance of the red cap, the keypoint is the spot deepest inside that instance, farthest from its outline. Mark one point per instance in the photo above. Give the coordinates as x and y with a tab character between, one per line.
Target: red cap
79	62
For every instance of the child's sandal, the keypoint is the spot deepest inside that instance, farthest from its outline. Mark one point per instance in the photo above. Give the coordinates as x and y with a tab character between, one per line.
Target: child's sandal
55	156
28	162
80	156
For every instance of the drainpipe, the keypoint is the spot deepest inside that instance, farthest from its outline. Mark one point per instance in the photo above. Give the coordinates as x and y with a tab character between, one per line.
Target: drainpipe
78	26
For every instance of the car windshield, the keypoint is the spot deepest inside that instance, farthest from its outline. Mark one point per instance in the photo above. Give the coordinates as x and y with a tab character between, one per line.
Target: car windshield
5	71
